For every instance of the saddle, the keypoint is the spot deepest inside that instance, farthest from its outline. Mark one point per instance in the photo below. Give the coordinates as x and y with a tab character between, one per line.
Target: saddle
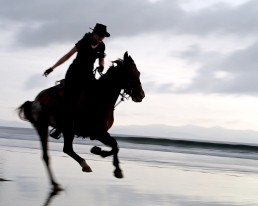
86	116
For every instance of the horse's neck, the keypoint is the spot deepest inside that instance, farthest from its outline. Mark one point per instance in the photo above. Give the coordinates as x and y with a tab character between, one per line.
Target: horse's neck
112	94
110	90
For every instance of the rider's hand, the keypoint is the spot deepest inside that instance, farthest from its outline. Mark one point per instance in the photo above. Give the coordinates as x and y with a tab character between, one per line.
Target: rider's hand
100	68
47	72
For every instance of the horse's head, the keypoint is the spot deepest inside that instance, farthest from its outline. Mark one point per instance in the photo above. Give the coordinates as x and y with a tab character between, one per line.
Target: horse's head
126	75
132	83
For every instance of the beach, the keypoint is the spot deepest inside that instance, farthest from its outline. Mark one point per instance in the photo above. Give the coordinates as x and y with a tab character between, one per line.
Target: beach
28	185
150	177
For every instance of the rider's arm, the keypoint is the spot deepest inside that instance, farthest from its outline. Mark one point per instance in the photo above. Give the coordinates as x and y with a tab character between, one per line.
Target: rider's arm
65	57
101	61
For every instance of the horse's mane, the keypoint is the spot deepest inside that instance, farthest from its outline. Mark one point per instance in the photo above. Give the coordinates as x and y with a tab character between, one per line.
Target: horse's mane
118	61
110	72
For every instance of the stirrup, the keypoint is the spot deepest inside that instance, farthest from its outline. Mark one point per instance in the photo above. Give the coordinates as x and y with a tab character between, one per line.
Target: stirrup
55	133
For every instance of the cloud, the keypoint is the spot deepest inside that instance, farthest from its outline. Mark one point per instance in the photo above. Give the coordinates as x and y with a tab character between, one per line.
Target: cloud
158	88
221	19
218	72
38	24
47	22
235	73
35	81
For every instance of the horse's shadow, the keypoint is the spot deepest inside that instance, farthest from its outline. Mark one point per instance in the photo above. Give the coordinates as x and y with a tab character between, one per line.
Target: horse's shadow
50	196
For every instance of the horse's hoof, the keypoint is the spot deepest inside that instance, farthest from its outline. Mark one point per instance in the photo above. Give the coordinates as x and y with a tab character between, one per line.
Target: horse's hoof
86	167
95	150
118	174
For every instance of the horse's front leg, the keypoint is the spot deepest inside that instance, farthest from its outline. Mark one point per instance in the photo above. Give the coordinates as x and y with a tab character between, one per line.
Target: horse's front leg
118	172
109	141
68	149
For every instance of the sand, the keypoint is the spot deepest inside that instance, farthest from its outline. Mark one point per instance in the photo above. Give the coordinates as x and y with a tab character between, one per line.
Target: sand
145	183
29	185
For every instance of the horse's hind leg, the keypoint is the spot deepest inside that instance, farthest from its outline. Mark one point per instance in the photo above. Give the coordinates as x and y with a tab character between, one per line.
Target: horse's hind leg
43	134
68	149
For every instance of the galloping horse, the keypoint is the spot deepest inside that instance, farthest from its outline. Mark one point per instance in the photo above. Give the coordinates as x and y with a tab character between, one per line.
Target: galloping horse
94	113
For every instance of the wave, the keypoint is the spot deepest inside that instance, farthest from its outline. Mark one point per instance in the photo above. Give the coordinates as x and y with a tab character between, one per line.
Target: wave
188	143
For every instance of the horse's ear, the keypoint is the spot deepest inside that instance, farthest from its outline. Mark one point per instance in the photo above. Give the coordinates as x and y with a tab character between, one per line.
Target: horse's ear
125	56
131	59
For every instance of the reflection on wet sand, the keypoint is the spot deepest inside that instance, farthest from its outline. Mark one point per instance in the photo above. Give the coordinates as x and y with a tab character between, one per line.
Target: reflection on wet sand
50	196
4	180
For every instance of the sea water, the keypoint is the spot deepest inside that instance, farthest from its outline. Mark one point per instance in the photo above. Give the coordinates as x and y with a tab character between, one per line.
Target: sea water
160	151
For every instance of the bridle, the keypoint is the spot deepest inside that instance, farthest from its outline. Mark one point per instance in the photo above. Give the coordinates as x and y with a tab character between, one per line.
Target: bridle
124	96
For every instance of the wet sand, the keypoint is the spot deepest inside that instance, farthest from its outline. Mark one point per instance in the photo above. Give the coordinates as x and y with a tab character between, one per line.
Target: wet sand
29	184
144	183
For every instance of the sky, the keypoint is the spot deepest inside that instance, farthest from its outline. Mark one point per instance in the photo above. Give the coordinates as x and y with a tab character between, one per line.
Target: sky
198	59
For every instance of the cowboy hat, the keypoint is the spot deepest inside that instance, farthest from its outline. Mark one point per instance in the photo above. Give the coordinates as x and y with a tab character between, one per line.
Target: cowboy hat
101	30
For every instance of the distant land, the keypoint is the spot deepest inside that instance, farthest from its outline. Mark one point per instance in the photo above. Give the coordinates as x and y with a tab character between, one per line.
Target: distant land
188	132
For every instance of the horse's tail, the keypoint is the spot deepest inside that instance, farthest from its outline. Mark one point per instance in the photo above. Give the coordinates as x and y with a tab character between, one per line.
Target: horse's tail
25	111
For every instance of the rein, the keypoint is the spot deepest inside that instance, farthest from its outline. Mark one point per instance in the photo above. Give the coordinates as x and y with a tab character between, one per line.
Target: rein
124	96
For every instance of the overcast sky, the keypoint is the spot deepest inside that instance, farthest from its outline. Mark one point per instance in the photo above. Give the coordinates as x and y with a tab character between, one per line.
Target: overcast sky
198	59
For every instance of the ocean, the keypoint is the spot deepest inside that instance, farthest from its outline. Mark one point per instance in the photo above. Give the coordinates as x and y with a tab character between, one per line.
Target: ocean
161	144
177	167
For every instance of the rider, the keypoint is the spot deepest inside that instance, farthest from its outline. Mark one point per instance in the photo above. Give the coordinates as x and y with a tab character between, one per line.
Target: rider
80	73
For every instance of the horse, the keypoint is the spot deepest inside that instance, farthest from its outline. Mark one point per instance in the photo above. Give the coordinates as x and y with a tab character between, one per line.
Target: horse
95	113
